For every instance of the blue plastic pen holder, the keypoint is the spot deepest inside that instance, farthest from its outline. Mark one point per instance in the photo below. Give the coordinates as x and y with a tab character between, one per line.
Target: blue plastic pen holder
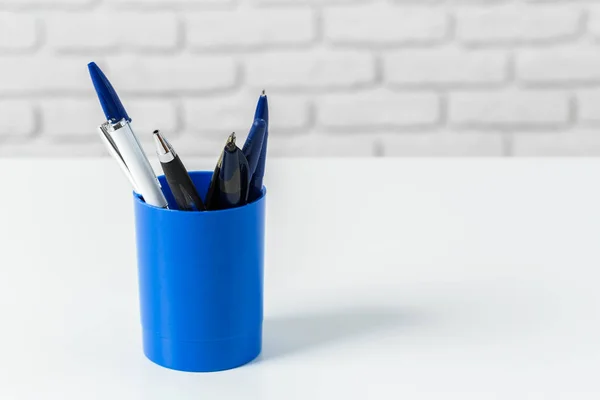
200	282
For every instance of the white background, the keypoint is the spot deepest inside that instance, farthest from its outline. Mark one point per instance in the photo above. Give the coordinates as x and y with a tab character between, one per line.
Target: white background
384	279
345	77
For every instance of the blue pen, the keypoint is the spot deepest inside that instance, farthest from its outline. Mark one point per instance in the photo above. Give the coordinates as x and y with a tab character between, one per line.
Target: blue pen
256	182
253	145
122	143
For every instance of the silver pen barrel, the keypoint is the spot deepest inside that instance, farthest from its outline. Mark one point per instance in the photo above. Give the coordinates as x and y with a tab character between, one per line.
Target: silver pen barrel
136	162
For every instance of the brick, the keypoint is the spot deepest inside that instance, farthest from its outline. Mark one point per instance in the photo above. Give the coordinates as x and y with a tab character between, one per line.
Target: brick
185	4
559	65
594	21
316	2
17	118
17	31
443	144
589	106
86	32
453	2
147	115
244	29
45	4
176	74
578	143
85	115
44	74
505	109
384	24
377	109
220	115
310	69
514	24
445	67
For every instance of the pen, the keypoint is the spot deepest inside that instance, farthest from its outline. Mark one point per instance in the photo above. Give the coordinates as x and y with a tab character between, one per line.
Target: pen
233	179
179	180
256	181
253	145
112	149
252	150
212	199
116	133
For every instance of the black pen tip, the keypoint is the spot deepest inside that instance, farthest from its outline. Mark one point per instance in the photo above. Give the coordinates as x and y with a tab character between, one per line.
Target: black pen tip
231	138
264	93
230	145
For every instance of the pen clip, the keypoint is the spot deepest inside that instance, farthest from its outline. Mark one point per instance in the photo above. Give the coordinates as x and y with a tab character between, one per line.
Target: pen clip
114	151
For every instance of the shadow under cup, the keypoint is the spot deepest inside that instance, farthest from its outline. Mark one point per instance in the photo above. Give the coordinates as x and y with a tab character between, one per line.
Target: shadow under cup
200	282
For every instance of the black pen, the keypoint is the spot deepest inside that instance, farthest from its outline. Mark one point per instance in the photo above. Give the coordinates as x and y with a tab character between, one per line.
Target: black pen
179	180
212	197
231	188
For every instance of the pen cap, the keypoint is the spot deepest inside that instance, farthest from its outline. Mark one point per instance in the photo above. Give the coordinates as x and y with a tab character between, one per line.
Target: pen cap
200	282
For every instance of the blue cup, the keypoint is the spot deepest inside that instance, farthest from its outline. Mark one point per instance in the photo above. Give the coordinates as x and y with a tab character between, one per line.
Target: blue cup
200	282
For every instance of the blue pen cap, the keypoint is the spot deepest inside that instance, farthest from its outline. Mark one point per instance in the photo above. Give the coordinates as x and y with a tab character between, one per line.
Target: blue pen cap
200	282
109	100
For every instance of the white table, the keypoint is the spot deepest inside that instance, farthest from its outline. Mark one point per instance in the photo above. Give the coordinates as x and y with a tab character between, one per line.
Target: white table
385	279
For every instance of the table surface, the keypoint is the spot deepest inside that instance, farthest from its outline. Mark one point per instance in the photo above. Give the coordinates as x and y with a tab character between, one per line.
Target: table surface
422	278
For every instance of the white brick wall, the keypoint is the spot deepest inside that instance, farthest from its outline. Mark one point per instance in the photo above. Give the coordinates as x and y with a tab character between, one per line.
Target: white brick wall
500	110
18	32
161	33
248	29
513	24
445	67
321	69
345	77
379	110
383	24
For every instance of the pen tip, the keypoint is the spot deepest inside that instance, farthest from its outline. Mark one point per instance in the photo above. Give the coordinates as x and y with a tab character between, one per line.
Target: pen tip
94	70
231	138
230	146
263	92
162	146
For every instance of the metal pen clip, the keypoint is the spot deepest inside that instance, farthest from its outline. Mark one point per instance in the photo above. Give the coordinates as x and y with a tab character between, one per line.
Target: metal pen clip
105	130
